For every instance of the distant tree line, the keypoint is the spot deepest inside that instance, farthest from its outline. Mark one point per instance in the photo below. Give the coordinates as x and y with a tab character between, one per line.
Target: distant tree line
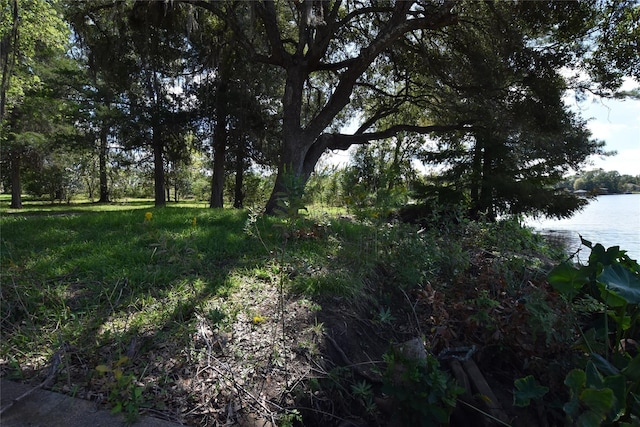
599	180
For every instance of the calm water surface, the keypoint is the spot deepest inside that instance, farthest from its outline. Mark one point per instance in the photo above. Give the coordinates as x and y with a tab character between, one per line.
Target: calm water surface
612	220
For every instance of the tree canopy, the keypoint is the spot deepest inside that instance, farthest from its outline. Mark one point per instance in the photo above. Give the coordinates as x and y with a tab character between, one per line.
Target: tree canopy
33	40
474	88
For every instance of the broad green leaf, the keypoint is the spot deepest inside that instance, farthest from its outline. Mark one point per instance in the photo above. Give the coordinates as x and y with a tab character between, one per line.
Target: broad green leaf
117	408
527	388
618	385
572	407
622	281
103	368
567	279
576	380
599	401
622	319
597	255
585	242
612	254
605	257
137	392
593	377
593	341
610	297
589	419
122	360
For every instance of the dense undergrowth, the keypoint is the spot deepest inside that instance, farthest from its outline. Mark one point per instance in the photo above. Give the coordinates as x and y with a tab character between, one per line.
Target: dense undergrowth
141	308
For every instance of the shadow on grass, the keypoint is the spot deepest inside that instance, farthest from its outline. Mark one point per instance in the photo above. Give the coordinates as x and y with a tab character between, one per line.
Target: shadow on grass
109	283
47	208
113	284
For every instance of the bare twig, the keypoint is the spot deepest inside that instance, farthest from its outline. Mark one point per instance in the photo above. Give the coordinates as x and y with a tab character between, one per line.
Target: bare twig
242	389
413	308
349	364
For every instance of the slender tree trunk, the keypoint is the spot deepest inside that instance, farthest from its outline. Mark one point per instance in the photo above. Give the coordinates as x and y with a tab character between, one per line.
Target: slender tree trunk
102	166
88	182
485	204
476	178
16	184
8	53
238	194
219	148
158	168
394	174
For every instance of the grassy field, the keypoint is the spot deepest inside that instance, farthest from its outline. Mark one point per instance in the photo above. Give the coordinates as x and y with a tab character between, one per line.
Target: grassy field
101	278
82	271
182	311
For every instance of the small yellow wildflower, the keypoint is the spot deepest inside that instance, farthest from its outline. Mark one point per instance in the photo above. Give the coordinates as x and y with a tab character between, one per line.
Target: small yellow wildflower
194	221
148	216
257	320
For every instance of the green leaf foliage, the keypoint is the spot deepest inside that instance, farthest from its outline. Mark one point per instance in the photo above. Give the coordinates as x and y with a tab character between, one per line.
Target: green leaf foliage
527	389
632	370
621	281
425	394
599	402
567	279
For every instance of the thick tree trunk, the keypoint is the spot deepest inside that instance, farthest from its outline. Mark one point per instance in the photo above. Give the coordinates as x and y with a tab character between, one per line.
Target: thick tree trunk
219	149
296	166
158	168
102	166
217	180
16	184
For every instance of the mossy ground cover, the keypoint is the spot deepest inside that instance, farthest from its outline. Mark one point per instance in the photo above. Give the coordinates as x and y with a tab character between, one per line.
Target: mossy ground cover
207	316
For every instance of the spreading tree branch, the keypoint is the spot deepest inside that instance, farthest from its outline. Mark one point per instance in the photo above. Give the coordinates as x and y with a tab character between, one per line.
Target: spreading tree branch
339	141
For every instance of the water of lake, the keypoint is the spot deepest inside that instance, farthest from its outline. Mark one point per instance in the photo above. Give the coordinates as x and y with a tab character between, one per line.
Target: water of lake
612	220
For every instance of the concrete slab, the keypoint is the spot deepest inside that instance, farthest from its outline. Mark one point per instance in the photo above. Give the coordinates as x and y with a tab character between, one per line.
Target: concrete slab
43	408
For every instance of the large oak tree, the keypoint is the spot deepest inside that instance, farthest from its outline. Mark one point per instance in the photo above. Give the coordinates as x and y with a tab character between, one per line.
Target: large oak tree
324	48
341	61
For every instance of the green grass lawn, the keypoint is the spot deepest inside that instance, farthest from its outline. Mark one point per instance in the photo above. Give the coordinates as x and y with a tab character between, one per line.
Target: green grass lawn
98	280
93	274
